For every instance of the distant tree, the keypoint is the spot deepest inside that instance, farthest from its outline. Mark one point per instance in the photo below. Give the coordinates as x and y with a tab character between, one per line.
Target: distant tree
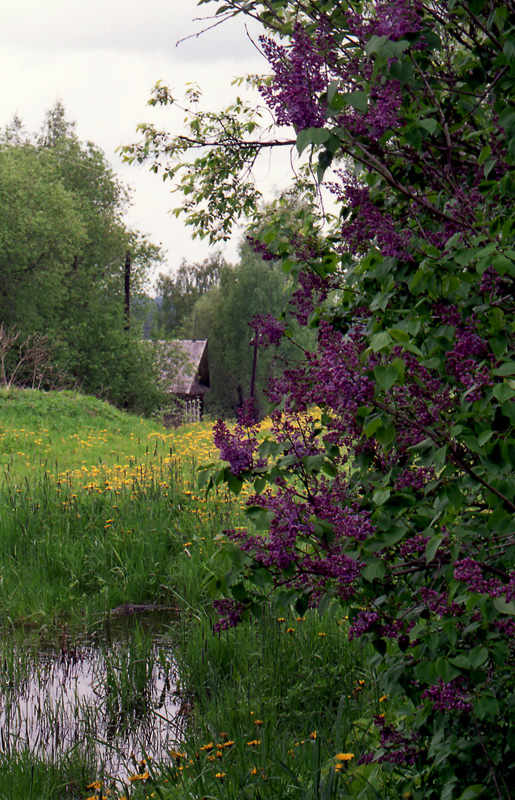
63	243
224	315
178	293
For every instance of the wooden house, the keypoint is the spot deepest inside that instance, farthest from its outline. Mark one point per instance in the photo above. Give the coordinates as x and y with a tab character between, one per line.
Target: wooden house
184	372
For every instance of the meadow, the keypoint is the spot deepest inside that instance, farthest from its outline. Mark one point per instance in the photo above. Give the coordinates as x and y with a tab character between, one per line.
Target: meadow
100	510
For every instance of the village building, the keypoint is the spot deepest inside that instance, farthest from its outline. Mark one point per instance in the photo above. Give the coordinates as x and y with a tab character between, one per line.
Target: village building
184	374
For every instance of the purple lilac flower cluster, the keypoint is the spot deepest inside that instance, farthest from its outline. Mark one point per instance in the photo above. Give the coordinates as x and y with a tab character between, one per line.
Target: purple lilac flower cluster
362	624
370	223
400	749
414	478
311	291
448	696
261	249
300	75
470	572
231	610
491	282
439	603
237	448
268	330
392	19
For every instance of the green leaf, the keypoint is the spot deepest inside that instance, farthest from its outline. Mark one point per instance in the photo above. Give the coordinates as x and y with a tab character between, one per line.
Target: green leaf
357	99
432	547
476	790
381	496
504	607
260	517
386	376
378	341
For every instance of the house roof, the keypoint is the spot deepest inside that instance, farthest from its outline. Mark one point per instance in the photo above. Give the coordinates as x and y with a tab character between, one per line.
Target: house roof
188	373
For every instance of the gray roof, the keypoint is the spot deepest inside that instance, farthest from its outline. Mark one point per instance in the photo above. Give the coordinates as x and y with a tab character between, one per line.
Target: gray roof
191	376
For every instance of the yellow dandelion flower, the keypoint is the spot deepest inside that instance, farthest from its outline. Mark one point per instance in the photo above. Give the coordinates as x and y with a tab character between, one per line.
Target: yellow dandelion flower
344	756
254	742
257	721
220	775
207	747
176	754
143	776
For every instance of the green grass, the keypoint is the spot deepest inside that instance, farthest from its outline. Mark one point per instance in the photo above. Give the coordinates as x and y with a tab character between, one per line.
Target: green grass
101	509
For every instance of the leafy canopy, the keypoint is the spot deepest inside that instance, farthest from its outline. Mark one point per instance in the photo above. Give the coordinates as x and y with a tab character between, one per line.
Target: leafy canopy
396	498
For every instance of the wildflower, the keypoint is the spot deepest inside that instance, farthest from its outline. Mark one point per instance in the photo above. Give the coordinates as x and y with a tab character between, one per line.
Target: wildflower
257	721
344	756
176	754
220	775
322	634
254	771
381	699
254	742
229	743
313	735
207	747
143	776
94	785
290	630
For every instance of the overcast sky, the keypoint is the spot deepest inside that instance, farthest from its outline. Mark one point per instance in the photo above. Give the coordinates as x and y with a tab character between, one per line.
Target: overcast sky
101	59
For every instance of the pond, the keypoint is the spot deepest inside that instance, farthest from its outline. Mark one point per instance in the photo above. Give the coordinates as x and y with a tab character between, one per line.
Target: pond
111	693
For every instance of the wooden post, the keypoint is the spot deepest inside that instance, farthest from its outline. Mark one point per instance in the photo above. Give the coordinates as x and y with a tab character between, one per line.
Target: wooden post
253	377
127	289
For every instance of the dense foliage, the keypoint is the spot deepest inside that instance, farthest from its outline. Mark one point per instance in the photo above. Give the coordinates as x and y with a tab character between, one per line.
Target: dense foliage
397	498
63	251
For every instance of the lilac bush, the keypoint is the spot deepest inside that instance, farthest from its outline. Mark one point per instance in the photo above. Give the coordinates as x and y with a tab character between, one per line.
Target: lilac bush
386	484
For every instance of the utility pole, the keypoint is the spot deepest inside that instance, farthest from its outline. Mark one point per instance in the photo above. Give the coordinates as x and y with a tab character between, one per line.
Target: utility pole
127	290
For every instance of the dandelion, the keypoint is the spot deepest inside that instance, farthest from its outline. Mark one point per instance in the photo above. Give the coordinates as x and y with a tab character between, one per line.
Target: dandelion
257	721
143	776
220	775
344	756
254	742
207	747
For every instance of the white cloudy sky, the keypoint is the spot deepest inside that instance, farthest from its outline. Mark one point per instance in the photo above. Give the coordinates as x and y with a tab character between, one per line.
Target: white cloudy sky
101	59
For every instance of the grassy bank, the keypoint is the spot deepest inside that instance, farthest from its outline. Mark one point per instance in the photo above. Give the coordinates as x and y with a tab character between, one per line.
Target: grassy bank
99	509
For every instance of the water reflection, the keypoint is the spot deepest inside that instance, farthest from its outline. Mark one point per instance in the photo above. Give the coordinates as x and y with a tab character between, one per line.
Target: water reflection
112	695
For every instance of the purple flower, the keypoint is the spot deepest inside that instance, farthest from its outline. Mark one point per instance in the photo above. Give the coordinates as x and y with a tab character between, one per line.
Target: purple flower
448	696
268	330
300	75
237	448
232	611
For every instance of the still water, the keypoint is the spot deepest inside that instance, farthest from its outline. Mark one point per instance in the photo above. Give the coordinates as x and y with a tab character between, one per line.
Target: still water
111	694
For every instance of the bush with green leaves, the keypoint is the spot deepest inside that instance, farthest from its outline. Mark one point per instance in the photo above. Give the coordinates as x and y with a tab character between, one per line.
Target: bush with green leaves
397	498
